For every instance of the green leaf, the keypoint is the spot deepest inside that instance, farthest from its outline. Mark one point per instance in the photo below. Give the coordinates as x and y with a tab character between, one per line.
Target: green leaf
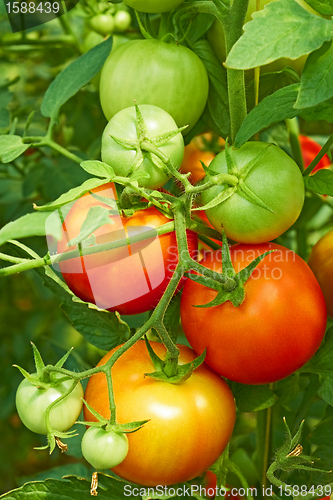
321	182
281	29
11	147
317	77
323	111
325	391
98	168
216	113
59	472
251	398
274	108
29	225
74	77
96	218
172	317
270	83
324	7
71	195
5	98
100	328
70	488
322	362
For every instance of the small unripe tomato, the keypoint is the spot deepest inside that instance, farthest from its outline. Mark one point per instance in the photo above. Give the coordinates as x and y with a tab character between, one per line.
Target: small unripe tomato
102	23
122	20
32	402
104	449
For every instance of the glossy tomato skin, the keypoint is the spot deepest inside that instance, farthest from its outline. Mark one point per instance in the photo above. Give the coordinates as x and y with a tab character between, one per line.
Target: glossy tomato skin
321	263
310	149
276	330
166	75
195	152
153	6
275	179
32	402
190	423
116	279
123	125
104	449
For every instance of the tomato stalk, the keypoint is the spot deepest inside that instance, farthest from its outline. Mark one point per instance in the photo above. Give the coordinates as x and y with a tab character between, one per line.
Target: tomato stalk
233	23
293	130
319	156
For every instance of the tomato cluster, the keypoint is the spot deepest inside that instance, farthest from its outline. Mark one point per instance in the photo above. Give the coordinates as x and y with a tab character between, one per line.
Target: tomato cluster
150	90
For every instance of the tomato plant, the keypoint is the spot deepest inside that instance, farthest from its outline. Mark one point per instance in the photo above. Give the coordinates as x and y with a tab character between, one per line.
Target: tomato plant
154	6
282	292
121	158
189	423
104	449
133	69
32	402
134	278
99	170
277	185
321	261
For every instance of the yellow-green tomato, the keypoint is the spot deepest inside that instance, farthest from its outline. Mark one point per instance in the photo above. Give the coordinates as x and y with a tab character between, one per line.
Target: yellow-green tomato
121	159
321	263
275	183
104	449
153	6
102	23
122	20
167	75
32	402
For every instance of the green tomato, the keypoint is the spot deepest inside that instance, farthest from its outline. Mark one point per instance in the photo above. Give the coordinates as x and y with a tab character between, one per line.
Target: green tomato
104	449
154	72
91	40
153	6
215	36
123	125
275	178
32	402
102	23
122	20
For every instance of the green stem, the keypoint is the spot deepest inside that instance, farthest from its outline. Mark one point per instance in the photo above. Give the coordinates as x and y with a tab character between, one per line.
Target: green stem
39	142
68	29
268	442
42	42
293	129
319	156
112	404
236	470
47	260
233	28
15	260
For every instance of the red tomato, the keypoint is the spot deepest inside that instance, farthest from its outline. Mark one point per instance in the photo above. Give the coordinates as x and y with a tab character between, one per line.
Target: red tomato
276	330
321	263
131	279
310	149
189	424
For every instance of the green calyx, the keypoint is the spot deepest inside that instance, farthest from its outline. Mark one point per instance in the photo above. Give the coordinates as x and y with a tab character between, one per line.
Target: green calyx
162	367
289	457
228	284
105	424
43	379
235	181
146	146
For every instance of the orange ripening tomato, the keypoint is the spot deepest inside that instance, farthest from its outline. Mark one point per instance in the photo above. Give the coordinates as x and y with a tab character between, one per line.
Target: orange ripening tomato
193	153
129	279
275	331
310	149
321	263
190	423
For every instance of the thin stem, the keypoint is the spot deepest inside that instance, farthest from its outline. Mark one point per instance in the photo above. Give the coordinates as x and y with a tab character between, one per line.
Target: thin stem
112	404
268	442
233	28
39	142
293	129
9	258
